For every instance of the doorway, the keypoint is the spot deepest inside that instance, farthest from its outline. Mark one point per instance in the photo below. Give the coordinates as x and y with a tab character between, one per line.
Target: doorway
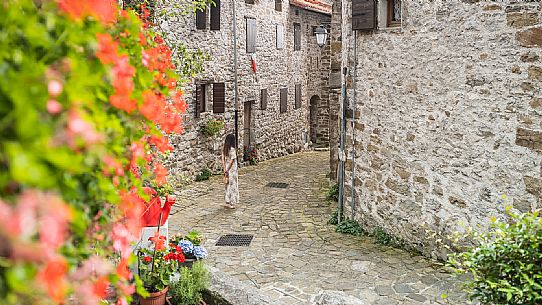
247	122
313	119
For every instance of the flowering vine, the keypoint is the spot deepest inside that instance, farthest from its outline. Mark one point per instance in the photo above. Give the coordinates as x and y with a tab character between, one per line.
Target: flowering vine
88	95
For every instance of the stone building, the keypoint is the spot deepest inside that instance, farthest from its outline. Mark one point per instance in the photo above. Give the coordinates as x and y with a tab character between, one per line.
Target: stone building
281	75
443	113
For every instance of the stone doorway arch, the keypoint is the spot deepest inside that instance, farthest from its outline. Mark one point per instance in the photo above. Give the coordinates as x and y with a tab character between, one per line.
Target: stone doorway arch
313	118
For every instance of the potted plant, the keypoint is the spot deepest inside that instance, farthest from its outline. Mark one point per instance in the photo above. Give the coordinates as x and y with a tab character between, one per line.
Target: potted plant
191	246
156	267
187	290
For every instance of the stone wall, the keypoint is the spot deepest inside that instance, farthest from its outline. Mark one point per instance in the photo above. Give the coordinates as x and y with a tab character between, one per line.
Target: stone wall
273	133
448	117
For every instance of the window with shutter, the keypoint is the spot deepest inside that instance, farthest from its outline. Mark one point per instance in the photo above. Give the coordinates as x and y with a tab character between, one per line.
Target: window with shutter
263	99
215	15
219	97
363	14
251	35
394	13
278	5
297	36
201	19
280	36
297	96
200	100
283	100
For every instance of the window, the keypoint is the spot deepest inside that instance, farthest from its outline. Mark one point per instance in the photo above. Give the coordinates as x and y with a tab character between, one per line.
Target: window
394	13
283	100
278	5
297	96
215	15
219	97
201	99
364	14
297	36
249	1
201	19
263	99
251	35
280	36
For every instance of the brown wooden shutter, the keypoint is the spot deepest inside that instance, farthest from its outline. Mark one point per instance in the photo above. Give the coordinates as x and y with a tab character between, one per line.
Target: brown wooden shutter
201	19
298	96
251	35
249	1
363	14
278	5
283	100
297	36
263	99
197	100
219	97
215	15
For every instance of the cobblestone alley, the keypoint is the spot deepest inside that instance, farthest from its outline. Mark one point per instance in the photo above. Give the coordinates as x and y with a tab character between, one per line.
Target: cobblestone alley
295	254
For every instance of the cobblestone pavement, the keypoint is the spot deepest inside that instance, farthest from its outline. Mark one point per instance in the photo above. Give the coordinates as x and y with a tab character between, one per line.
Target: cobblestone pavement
295	254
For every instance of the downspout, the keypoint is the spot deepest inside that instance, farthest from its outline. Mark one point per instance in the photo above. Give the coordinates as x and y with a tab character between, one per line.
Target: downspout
353	206
236	90
342	155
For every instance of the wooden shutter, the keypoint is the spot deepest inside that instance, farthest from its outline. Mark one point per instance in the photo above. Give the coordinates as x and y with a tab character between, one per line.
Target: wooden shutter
280	36
249	1
263	99
298	96
201	97
215	15
251	35
201	19
297	36
219	97
197	100
283	100
278	5
363	14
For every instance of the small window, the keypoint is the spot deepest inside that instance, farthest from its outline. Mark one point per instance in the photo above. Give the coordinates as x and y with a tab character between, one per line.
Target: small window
215	15
280	36
263	99
283	100
201	99
251	35
297	36
394	13
297	96
249	1
201	19
278	5
219	97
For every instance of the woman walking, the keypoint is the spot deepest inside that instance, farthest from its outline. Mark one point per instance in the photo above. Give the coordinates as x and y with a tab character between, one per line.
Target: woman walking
229	163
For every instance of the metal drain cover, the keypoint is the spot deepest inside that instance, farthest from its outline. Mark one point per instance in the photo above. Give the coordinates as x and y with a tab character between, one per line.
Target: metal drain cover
234	240
279	185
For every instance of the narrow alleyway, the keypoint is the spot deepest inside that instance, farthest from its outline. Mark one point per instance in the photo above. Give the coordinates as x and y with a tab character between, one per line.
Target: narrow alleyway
295	254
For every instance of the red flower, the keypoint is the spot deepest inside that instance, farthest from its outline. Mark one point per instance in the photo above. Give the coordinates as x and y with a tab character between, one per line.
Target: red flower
100	287
122	270
161	143
180	258
123	102
104	10
153	105
53	278
179	249
147	259
158	240
161	173
107	49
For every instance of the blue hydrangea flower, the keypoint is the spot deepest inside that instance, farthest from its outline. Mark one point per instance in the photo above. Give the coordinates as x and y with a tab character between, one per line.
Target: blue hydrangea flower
200	252
186	246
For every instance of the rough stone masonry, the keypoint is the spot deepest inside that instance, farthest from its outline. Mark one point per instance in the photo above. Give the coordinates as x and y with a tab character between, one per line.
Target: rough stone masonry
272	132
448	117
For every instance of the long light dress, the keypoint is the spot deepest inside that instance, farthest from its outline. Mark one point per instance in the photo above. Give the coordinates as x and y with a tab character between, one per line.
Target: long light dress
232	187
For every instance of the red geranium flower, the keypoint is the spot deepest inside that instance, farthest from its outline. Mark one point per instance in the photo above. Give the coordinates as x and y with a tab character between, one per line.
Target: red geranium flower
158	240
147	259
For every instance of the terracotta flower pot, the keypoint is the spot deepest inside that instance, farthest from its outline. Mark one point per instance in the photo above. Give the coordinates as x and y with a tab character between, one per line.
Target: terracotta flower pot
155	298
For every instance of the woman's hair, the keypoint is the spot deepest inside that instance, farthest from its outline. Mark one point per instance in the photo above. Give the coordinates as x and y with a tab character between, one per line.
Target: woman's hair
229	143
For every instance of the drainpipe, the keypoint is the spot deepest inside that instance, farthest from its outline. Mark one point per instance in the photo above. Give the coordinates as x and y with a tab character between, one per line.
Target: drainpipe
236	90
342	155
353	205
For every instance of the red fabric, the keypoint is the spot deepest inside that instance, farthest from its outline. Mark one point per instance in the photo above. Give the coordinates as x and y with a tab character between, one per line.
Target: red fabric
151	216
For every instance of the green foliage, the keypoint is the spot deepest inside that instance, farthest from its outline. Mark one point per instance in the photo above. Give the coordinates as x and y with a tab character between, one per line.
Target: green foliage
195	237
211	127
334	218
163	189
382	237
333	193
204	175
505	263
350	226
188	290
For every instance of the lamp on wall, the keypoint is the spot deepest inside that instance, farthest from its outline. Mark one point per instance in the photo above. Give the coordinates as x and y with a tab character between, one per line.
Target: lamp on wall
321	35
